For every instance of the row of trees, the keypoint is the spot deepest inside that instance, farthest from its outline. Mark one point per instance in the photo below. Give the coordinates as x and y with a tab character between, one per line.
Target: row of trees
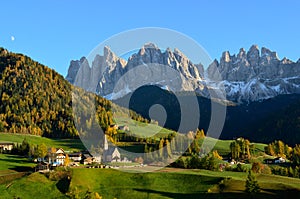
30	150
241	149
211	161
287	171
280	149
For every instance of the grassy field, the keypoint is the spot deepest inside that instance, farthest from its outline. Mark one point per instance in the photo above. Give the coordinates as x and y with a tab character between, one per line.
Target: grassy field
116	184
66	144
142	129
164	183
35	185
14	162
223	146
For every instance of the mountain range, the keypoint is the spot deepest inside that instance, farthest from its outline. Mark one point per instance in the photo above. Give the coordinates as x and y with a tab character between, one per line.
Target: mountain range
37	100
263	89
252	75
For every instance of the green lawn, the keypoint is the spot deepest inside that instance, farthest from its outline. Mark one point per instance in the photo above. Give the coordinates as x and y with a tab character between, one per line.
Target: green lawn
66	144
14	162
142	129
111	183
223	146
164	183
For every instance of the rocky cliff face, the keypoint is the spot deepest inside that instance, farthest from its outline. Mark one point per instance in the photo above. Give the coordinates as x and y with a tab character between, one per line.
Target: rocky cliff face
251	75
255	75
108	69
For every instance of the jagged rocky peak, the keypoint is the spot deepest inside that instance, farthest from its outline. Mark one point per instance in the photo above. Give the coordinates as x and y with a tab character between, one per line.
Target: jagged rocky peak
265	52
225	57
253	55
286	61
150	45
73	69
111	59
242	54
268	57
251	75
255	75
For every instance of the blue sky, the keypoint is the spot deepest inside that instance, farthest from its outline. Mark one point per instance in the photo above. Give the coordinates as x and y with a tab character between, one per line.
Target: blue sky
55	32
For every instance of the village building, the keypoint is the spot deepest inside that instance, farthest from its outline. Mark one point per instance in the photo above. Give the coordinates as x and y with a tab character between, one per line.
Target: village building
76	157
277	160
110	154
56	157
6	146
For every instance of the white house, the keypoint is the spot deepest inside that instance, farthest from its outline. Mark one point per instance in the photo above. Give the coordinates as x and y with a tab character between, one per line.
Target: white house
279	160
76	157
56	157
6	146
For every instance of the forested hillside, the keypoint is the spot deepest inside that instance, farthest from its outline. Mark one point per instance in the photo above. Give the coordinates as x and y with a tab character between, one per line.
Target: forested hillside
272	119
35	99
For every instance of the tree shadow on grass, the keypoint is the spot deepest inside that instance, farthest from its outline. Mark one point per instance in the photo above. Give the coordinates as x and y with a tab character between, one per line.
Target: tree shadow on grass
71	143
22	169
63	185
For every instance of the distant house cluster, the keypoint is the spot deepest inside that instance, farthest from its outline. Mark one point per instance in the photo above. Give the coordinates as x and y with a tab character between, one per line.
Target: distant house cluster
57	157
277	160
122	128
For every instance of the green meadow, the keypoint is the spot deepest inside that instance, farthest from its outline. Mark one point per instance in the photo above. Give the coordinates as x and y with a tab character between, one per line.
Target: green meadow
165	183
66	144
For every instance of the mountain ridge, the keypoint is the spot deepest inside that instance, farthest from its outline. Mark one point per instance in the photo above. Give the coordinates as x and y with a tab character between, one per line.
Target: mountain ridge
252	75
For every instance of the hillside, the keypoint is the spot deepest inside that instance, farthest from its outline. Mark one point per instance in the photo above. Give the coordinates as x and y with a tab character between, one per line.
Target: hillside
266	121
166	183
35	99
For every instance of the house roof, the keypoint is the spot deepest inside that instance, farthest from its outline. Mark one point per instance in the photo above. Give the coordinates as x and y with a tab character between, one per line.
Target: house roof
111	150
57	150
78	154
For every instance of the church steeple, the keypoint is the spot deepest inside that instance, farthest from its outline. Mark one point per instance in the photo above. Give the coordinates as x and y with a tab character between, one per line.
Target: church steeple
105	143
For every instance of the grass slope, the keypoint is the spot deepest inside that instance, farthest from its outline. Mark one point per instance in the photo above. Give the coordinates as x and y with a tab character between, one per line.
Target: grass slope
35	185
14	162
66	144
165	183
141	129
179	183
116	184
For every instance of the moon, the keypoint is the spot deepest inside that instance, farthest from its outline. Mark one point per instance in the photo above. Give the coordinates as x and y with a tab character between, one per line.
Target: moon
12	38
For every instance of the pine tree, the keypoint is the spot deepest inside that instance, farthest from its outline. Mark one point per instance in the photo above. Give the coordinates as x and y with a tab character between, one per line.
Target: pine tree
251	183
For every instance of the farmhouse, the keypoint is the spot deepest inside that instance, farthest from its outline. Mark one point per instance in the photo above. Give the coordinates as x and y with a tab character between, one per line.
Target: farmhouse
6	146
56	157
76	157
277	160
88	159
